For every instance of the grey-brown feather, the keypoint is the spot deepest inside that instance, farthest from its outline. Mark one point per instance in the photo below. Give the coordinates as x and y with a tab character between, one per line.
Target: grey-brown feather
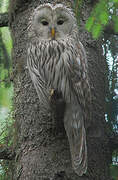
61	64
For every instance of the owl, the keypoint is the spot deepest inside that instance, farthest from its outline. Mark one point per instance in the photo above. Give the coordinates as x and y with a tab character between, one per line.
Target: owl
57	62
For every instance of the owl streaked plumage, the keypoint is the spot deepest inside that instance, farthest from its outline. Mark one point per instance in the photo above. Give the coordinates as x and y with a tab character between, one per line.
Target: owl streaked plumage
57	60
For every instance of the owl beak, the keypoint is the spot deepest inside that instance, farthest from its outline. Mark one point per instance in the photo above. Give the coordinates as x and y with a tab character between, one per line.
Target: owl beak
53	33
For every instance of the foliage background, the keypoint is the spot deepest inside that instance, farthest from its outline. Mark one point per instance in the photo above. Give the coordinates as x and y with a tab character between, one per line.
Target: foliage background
6	93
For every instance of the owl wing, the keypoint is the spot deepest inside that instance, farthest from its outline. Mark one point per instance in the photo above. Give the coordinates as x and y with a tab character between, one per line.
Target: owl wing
80	81
77	111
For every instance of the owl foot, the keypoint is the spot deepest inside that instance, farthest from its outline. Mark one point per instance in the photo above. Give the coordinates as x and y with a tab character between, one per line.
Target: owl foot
55	95
52	91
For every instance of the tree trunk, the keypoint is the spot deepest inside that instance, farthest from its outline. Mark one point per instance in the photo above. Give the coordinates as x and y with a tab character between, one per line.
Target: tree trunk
42	151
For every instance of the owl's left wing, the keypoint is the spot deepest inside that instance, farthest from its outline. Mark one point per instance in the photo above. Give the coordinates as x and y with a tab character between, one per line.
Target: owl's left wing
77	111
80	81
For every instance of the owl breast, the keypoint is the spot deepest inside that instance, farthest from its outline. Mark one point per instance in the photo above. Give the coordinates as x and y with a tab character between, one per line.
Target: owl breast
55	64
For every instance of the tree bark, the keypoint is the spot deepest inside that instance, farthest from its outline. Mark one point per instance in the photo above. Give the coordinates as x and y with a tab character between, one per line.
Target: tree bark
42	151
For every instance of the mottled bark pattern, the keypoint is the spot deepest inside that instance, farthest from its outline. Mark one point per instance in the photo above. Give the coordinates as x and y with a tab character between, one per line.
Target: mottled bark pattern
43	149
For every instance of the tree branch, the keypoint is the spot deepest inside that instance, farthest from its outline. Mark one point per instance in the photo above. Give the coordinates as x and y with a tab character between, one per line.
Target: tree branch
4	19
6	153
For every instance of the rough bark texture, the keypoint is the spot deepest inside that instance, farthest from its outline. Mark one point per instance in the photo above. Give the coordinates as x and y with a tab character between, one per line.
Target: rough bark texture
42	145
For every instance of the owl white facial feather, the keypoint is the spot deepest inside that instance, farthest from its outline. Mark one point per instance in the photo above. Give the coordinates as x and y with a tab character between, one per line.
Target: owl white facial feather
48	17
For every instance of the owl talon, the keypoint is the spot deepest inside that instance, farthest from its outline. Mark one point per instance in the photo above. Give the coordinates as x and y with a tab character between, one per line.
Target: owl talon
51	94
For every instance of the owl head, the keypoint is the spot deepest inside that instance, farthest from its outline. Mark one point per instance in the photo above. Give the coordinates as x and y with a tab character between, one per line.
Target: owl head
53	22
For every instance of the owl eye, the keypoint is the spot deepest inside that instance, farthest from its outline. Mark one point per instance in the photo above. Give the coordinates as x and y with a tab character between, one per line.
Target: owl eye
60	22
44	22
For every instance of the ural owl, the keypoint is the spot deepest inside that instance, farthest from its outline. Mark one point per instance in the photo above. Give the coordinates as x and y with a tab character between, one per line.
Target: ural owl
57	61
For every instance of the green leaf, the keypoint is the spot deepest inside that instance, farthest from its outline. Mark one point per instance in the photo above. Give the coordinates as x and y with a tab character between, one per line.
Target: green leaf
89	23
104	17
114	1
96	30
116	26
115	19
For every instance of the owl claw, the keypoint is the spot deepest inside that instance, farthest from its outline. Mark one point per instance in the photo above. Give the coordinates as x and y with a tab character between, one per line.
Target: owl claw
51	93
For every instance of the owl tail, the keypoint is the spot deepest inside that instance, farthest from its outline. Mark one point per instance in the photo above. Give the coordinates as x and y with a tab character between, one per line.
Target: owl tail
74	126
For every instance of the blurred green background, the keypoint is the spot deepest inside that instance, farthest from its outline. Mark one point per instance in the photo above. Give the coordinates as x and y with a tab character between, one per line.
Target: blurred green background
6	91
6	87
